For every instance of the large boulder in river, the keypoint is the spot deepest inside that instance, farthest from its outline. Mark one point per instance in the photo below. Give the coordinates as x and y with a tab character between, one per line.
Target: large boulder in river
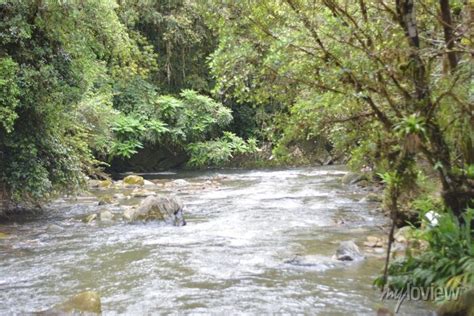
83	303
133	180
161	208
348	251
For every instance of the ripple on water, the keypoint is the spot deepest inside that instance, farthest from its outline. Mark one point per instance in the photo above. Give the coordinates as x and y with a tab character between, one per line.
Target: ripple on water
234	256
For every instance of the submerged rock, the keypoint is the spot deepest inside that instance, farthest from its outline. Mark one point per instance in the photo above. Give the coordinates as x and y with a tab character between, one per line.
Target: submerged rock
161	208
315	262
348	251
106	216
53	228
133	180
85	302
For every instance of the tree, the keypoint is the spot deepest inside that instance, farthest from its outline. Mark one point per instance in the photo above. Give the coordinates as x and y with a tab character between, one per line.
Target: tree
383	65
54	57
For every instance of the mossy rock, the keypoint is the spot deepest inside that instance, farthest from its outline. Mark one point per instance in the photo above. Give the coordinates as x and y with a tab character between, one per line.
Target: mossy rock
3	235
463	306
404	234
104	200
134	180
353	178
106	216
161	208
105	184
89	218
83	303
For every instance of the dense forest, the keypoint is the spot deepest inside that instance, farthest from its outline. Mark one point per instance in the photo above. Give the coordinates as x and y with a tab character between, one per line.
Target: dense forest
89	88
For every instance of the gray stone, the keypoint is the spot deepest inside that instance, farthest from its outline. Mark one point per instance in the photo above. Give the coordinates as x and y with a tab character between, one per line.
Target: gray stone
106	216
353	178
165	208
348	251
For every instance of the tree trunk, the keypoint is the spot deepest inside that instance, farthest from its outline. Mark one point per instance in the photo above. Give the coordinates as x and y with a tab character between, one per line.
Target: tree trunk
448	33
458	190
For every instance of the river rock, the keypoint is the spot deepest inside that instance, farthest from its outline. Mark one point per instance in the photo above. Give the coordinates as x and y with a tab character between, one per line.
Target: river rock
315	262
90	218
142	193
101	184
161	208
104	200
106	216
353	178
178	183
373	241
53	228
129	213
82	303
119	196
348	251
403	234
463	306
398	250
148	183
105	184
133	180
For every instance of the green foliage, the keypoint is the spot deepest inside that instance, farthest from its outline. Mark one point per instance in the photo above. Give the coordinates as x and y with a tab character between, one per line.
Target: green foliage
411	125
128	131
448	262
55	95
177	31
219	151
168	121
127	126
9	92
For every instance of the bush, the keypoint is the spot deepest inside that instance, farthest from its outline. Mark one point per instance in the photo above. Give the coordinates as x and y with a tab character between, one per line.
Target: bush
218	151
448	262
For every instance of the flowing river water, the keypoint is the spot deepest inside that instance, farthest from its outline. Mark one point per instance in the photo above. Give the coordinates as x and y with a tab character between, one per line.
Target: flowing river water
233	256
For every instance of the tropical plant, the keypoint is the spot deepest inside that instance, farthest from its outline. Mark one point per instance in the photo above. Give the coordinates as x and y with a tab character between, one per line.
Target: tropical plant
447	263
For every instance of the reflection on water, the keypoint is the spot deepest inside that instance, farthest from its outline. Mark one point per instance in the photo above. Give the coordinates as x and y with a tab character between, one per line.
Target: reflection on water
234	255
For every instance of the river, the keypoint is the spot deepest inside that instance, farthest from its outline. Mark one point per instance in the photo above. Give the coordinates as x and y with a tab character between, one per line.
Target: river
233	256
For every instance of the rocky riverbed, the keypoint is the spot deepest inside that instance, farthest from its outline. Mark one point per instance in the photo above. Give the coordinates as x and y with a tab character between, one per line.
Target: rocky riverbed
294	240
